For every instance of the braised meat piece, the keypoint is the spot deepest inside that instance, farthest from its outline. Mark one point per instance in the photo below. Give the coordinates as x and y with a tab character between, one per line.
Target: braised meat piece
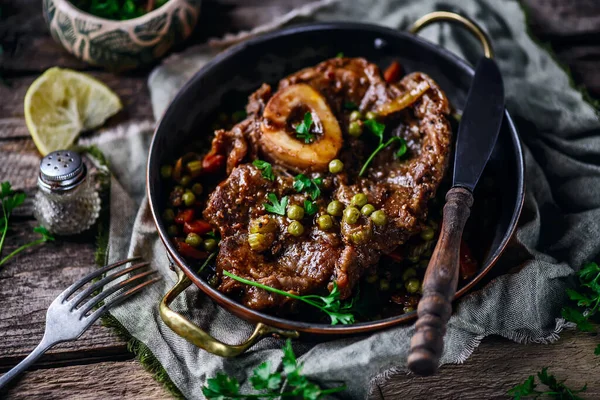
311	261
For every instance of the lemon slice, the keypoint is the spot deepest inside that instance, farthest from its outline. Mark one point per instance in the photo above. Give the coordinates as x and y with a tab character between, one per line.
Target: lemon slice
62	103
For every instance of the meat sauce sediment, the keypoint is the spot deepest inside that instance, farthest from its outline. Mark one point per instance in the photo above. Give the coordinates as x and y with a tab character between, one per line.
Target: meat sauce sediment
389	257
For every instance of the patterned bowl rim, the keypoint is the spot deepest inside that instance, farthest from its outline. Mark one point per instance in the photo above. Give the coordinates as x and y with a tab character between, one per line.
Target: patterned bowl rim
68	7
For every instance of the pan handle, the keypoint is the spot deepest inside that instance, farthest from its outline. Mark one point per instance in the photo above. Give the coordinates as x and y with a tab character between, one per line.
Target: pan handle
469	24
198	337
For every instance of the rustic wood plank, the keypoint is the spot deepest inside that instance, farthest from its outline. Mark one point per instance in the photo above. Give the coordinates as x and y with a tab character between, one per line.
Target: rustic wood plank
497	365
494	368
30	282
105	380
132	90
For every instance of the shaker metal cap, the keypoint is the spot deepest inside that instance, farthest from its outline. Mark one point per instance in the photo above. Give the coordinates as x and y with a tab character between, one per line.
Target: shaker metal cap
61	170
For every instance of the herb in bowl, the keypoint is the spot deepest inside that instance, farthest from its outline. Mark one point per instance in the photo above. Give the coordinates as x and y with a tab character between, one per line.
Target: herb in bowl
118	9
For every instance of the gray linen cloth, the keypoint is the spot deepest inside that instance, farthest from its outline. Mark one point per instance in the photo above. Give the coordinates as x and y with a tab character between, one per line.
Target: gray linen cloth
557	232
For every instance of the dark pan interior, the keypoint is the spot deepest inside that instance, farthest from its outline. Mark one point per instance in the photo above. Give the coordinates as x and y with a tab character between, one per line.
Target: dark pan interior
239	71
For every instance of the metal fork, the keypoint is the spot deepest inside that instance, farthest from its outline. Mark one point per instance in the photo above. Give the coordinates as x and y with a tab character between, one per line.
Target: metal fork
66	321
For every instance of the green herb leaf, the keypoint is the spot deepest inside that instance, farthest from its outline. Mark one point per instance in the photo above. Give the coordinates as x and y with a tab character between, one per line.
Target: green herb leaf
265	168
350	105
329	304
597	350
264	379
340	55
46	236
558	390
276	206
221	387
576	316
376	128
403	148
303	129
525	389
310	208
302	183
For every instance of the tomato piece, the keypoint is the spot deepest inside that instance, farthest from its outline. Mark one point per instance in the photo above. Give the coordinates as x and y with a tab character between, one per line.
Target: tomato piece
188	251
393	72
213	163
198	226
468	265
184	216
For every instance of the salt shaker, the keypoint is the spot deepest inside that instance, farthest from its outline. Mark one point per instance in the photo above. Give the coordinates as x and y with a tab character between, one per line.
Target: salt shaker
67	201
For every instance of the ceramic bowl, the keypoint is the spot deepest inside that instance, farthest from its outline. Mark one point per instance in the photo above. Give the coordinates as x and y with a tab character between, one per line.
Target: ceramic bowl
120	44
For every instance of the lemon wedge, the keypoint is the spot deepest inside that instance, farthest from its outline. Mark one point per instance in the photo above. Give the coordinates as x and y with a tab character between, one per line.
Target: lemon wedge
62	103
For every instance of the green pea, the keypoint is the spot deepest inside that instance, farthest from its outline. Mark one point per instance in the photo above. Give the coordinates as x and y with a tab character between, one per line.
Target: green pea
295	212
351	215
379	218
355	115
408	309
355	128
409	273
173	230
188	198
367	210
210	244
371	115
414	259
335	208
263	224
336	166
258	241
412	285
360	236
384	285
185	180
168	215
193	239
325	222
166	171
372	278
295	228
197	189
359	200
427	233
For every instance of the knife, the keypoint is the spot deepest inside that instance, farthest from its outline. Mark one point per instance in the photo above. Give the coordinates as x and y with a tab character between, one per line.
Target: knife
477	134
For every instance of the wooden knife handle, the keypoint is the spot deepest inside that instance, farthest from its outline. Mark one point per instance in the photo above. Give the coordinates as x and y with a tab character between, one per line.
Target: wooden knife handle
439	286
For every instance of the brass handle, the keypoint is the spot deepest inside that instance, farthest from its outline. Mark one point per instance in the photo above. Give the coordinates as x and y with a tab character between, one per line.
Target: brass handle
198	337
465	22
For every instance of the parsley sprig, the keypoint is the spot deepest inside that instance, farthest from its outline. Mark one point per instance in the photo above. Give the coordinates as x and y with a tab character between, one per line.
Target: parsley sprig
330	304
303	129
277	206
557	390
9	200
303	183
225	387
265	168
377	129
587	298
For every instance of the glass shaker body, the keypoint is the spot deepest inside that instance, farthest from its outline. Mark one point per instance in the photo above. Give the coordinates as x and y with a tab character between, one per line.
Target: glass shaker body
67	202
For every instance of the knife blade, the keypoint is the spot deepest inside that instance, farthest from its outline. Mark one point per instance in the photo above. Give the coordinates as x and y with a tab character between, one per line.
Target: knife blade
480	124
477	135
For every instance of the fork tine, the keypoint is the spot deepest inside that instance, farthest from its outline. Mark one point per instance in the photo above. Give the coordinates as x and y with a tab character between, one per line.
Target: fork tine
71	289
96	299
84	294
121	298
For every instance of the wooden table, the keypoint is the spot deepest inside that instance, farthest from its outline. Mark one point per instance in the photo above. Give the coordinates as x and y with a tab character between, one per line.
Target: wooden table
99	365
